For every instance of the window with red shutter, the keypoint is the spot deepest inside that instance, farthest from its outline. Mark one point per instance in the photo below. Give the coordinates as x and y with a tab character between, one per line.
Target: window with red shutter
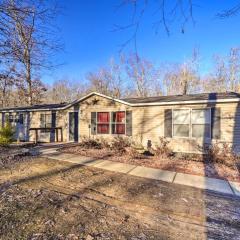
118	123
103	121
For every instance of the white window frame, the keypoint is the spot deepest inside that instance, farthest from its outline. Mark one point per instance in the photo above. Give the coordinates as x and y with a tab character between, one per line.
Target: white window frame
45	123
190	123
189	136
210	123
125	123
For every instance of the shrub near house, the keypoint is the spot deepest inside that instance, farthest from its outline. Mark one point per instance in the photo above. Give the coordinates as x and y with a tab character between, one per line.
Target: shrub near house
217	161
6	134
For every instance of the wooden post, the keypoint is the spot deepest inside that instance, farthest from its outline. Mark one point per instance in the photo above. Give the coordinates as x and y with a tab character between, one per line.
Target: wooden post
56	133
61	134
36	135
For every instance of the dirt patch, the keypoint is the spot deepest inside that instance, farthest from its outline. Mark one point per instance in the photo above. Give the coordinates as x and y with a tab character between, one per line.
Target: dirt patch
11	155
196	167
47	199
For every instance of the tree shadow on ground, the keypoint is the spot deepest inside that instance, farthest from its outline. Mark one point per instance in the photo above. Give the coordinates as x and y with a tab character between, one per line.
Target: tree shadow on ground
167	210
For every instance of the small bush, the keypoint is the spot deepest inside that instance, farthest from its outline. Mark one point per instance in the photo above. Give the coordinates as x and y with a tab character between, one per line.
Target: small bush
119	144
90	143
162	149
134	153
6	134
104	142
222	154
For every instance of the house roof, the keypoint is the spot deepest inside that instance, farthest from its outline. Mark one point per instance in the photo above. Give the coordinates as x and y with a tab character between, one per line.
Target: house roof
180	98
141	101
35	107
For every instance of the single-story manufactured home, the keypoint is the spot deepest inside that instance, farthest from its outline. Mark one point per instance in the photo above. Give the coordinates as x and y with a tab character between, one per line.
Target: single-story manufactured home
189	122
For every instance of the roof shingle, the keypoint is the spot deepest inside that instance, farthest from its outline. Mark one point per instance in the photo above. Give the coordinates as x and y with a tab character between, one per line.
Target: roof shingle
180	98
37	107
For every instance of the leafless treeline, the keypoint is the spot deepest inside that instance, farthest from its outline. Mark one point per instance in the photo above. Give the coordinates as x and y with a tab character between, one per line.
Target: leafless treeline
28	40
139	77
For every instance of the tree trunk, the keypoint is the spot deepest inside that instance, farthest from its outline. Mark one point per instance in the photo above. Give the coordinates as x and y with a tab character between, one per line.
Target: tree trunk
29	82
28	76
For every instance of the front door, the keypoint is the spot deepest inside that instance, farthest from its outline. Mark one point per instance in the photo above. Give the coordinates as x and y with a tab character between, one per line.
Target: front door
73	126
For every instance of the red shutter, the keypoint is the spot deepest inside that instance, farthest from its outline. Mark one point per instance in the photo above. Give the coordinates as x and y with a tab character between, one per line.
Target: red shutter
103	128
103	117
120	117
120	128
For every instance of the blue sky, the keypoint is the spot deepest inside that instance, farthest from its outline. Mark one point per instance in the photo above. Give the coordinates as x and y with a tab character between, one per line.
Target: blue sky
86	30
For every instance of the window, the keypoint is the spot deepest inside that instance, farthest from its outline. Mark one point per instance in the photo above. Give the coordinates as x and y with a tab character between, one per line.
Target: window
201	120
194	123
181	122
103	121
115	120
118	122
45	120
13	119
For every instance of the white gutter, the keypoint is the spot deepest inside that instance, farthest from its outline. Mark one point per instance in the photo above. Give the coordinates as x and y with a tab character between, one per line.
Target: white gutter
186	102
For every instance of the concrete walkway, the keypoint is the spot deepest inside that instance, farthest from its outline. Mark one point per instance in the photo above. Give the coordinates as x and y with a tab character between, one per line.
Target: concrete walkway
216	185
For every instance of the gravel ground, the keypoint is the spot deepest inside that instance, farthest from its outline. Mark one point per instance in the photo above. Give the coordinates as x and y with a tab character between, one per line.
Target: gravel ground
47	199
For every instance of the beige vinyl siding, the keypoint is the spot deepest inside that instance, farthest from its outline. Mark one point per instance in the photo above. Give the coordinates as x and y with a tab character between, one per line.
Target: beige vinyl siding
61	121
35	123
148	122
96	104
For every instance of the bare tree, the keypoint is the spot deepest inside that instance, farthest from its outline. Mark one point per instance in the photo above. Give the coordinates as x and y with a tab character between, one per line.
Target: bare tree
30	40
129	76
234	69
166	13
144	76
65	90
116	78
230	12
98	81
110	79
217	80
183	78
7	81
225	74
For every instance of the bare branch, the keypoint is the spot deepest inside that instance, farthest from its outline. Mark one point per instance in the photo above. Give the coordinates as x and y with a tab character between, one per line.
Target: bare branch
182	11
229	12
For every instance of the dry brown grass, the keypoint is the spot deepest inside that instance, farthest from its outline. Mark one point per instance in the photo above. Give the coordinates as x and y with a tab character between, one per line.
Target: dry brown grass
48	199
222	153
